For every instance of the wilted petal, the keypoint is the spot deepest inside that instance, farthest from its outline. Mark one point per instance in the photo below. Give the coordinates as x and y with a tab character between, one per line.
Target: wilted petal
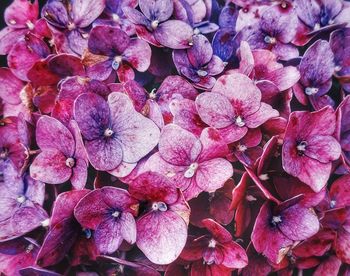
9	37
234	255
161	236
201	52
108	236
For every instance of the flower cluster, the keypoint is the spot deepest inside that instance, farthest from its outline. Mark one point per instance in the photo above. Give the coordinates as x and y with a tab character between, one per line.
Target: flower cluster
175	137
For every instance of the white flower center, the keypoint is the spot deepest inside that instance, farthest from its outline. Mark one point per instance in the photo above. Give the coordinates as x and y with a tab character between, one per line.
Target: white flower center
12	22
276	219
212	243
154	24
264	177
311	91
115	214
108	132
115	17
29	248
202	73
116	62
270	40
239	121
317	26
159	206
332	204
250	198
70	162
191	170
21	199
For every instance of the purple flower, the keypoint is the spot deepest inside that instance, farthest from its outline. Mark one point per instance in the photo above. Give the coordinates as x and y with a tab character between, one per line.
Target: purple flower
114	50
113	131
154	26
274	31
198	63
62	155
110	212
72	18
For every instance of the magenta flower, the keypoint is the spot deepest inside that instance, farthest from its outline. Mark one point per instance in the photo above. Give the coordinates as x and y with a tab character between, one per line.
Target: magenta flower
72	18
21	204
153	24
62	155
198	63
215	249
115	54
20	17
110	213
309	147
277	227
162	229
233	106
194	165
113	131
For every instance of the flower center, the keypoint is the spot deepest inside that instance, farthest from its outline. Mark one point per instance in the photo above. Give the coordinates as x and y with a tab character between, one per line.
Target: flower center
70	162
212	243
108	132
191	170
116	214
115	17
30	25
71	26
154	24
317	26
239	121
311	91
264	177
337	68
87	233
276	220
241	148
301	147
152	95
21	199
116	62
45	223
270	39
159	206
332	204
29	248
202	73
250	198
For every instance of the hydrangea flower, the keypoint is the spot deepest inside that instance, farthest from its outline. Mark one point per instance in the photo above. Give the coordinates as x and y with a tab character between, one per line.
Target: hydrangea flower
154	25
62	155
162	229
233	106
113	131
110	213
198	63
115	54
191	163
309	147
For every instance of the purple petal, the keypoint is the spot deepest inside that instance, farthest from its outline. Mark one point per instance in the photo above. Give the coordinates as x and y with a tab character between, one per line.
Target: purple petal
174	34
159	10
84	12
9	37
201	52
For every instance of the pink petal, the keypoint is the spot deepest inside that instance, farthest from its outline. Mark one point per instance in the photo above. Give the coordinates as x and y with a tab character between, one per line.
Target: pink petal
10	87
20	12
323	148
9	37
340	191
342	245
161	236
215	109
241	91
285	77
213	144
178	146
264	113
212	174
218	232
50	167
